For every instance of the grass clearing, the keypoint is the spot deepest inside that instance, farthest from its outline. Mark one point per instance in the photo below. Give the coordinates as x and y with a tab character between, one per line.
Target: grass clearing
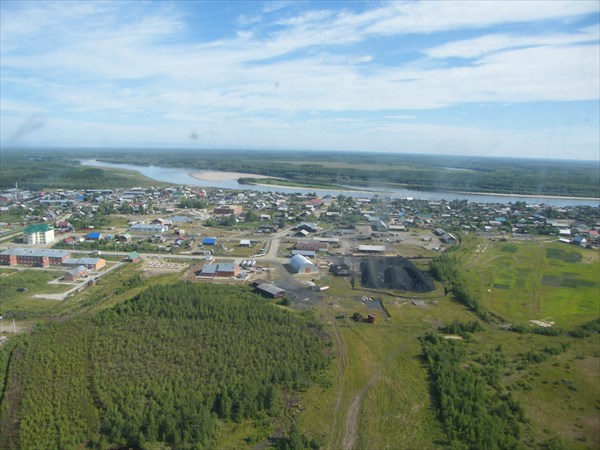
534	280
17	288
396	411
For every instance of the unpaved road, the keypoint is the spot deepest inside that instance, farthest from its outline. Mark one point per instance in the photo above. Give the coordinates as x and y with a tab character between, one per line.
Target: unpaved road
341	371
351	429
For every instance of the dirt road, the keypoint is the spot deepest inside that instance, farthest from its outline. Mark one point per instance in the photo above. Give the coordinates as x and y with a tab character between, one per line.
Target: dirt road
352	419
341	348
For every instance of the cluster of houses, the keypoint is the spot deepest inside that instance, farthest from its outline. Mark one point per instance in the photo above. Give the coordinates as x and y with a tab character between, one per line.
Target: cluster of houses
579	225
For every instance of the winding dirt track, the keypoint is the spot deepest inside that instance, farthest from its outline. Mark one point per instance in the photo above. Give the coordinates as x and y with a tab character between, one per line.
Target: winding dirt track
341	370
351	429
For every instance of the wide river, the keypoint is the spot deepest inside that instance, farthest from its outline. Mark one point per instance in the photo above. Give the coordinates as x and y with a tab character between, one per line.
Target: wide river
182	176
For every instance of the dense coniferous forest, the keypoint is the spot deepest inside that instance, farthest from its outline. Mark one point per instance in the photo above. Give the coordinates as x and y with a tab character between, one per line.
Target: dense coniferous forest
476	410
54	170
165	366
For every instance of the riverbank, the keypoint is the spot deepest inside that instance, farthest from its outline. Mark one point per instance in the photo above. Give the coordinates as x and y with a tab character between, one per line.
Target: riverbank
182	176
287	184
211	175
281	183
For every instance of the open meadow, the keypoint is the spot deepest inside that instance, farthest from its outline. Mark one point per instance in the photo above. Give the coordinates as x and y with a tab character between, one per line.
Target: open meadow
546	281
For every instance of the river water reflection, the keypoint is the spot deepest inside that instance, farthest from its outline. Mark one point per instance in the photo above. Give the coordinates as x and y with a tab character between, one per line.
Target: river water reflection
182	176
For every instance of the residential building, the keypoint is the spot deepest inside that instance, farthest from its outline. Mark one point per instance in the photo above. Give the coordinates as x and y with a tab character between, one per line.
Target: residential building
33	257
41	233
76	273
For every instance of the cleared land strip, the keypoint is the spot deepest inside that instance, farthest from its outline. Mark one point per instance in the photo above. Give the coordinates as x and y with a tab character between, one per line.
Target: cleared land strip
351	429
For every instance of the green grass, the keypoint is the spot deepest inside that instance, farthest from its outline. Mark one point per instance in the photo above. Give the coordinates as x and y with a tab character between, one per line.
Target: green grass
396	411
533	280
22	304
134	177
560	395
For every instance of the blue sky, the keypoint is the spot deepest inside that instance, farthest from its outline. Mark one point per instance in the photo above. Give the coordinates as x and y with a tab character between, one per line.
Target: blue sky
498	78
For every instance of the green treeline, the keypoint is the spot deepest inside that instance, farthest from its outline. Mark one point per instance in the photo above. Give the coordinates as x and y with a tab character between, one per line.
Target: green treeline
162	367
55	171
476	410
446	269
35	168
424	172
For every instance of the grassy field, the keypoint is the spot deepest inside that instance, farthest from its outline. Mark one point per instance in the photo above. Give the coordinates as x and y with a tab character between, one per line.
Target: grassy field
558	387
381	364
134	176
14	299
555	378
543	281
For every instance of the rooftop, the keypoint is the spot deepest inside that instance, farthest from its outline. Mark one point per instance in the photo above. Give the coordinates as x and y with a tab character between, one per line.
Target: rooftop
37	228
38	252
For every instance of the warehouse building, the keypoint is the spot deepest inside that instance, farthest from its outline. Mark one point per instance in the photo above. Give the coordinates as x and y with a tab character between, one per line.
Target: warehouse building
301	264
307	253
316	246
148	228
371	248
270	290
41	233
221	270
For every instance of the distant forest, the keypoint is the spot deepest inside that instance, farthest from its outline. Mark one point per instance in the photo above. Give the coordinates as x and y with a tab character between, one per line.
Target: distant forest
424	172
163	367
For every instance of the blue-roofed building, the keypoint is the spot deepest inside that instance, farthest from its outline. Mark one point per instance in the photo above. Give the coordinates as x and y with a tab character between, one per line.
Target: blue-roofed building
209	241
94	236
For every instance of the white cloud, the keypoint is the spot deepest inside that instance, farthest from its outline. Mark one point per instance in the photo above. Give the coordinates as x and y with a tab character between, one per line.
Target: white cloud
109	61
430	16
477	47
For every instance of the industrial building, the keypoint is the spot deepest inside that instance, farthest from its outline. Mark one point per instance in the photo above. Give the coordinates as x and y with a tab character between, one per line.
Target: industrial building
301	264
148	228
371	248
228	210
270	290
41	233
221	270
33	257
307	253
316	246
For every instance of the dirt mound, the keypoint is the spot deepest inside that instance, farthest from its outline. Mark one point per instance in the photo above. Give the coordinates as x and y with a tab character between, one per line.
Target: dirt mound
394	273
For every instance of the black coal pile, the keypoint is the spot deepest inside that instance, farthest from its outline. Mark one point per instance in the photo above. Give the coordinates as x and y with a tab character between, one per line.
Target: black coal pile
394	273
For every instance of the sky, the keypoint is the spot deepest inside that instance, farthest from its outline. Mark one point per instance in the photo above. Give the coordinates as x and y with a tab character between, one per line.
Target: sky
488	78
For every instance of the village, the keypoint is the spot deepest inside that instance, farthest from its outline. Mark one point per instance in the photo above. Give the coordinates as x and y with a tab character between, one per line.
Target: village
280	243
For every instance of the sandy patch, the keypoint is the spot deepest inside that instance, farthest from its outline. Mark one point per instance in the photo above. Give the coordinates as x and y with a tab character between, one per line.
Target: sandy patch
212	175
